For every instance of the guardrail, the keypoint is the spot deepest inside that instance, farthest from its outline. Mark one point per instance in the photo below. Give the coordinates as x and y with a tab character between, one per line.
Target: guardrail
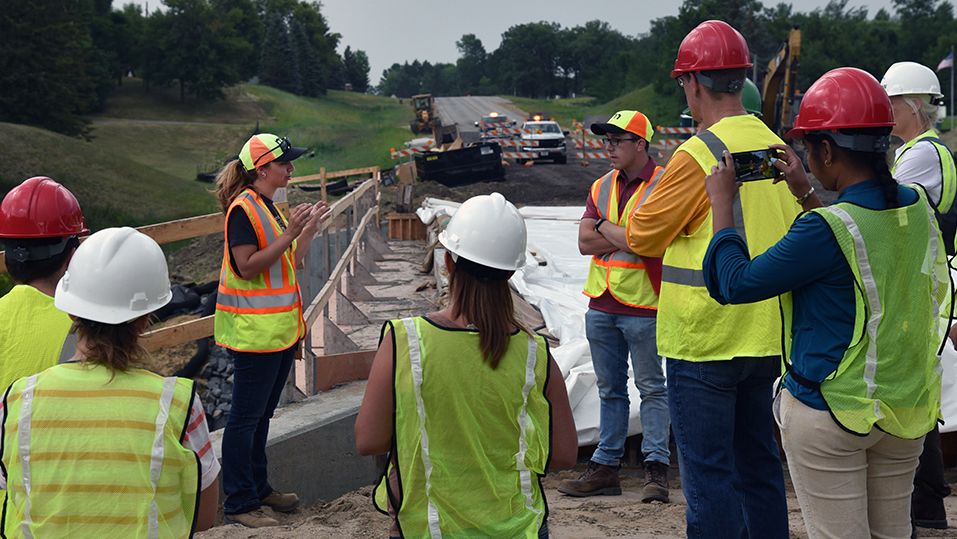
343	227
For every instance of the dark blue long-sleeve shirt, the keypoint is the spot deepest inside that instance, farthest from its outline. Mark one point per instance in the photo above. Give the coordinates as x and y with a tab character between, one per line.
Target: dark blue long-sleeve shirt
809	262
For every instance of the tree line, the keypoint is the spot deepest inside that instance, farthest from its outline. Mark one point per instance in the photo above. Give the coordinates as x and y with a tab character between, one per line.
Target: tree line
544	59
61	59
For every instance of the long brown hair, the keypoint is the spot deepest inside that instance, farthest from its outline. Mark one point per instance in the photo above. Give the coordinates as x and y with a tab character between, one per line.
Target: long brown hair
487	304
230	181
115	346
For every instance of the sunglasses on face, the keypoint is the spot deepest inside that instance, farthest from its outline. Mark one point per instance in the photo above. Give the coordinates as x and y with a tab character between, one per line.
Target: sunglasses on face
283	144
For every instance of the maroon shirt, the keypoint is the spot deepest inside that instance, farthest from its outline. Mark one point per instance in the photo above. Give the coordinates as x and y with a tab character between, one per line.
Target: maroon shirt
626	188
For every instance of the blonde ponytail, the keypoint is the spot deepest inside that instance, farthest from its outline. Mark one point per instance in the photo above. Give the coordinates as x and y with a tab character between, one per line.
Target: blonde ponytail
230	181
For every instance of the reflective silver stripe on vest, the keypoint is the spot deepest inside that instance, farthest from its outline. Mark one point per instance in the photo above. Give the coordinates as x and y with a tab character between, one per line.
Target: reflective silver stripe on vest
685	276
415	360
275	270
930	263
157	453
68	348
624	256
25	426
525	476
871	297
717	148
256	302
604	193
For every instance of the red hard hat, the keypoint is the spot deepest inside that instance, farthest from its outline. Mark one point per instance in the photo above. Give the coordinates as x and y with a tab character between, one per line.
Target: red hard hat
712	45
843	98
40	208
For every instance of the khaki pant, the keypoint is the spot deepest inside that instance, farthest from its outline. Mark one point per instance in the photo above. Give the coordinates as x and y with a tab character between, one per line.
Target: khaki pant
849	486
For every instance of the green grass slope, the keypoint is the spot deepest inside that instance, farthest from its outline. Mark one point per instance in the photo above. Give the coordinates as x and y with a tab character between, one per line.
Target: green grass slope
146	148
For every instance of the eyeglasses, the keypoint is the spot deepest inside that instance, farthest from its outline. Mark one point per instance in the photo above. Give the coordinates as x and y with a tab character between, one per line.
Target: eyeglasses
615	142
681	80
283	145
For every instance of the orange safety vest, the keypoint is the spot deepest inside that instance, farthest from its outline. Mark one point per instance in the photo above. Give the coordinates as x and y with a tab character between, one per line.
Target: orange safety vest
621	273
262	313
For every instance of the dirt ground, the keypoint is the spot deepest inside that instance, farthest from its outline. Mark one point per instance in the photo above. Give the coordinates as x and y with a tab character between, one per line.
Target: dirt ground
352	515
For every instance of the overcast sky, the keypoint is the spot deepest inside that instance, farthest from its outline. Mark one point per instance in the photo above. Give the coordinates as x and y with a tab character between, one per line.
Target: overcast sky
391	31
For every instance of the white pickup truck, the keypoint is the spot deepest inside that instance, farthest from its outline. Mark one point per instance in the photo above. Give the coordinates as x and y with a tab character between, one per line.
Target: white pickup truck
545	140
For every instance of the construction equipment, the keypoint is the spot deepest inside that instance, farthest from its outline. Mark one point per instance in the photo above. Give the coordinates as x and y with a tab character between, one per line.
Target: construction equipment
780	94
426	120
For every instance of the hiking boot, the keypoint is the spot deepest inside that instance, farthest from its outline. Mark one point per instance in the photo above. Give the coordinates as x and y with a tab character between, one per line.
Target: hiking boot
281	501
257	518
597	479
656	483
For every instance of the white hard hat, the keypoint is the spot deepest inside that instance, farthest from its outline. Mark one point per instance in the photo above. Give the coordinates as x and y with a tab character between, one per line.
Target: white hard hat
116	275
911	78
487	230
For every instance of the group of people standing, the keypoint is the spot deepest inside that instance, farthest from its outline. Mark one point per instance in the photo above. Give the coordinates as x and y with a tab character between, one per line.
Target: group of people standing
729	285
734	285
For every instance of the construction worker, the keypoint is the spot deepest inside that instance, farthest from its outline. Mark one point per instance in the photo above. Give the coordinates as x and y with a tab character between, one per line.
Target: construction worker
914	91
863	386
95	446
40	225
750	99
620	320
721	360
259	315
923	158
470	405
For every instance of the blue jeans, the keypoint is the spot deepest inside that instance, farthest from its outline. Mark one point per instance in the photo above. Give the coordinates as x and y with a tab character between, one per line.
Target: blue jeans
611	337
730	463
258	381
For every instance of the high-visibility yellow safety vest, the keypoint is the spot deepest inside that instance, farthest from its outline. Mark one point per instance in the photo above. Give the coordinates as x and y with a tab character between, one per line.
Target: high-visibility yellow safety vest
25	313
262	313
93	453
471	442
622	273
946	206
691	325
890	374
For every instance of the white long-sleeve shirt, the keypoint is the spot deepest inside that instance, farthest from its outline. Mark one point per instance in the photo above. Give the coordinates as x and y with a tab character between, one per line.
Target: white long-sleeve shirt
920	164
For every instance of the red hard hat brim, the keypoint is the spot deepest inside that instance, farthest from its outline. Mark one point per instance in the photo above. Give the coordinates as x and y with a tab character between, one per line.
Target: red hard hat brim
675	73
42	235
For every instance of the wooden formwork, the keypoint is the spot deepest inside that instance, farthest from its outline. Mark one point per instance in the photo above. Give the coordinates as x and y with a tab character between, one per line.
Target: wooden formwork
406	226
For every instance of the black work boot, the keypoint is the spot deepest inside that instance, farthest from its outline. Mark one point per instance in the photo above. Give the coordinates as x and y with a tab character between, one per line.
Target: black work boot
597	479
656	482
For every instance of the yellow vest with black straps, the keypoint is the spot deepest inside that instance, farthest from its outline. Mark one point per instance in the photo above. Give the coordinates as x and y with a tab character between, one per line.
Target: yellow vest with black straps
93	453
471	443
890	375
622	273
262	313
691	325
946	206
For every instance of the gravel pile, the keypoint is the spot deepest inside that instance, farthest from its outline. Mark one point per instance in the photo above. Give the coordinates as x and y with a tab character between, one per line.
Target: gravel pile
217	399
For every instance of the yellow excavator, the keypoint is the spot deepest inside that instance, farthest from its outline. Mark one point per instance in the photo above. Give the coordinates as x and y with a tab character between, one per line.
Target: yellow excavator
426	120
780	95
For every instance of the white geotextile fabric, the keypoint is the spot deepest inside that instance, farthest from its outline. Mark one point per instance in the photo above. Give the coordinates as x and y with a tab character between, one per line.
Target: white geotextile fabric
556	290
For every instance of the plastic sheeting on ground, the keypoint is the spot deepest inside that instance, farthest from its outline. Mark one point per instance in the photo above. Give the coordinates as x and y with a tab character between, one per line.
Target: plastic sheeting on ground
555	288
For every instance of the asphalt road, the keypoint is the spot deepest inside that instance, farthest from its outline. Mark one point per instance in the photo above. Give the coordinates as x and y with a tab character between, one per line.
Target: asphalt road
465	111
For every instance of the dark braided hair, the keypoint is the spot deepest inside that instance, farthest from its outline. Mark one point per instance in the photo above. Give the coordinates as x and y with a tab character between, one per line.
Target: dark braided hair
874	161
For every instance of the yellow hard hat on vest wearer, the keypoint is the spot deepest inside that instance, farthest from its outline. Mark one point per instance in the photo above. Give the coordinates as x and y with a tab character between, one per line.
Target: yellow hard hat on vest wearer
264	148
626	121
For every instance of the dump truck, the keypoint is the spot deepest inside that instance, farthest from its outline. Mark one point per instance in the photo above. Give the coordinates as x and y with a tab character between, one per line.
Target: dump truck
426	120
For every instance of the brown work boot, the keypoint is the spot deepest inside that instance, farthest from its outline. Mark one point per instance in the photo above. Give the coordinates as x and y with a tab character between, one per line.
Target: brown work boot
656	483
281	501
595	480
257	518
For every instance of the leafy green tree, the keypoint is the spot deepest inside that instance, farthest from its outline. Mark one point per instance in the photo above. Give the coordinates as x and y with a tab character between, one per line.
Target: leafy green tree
526	61
470	66
356	69
46	60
